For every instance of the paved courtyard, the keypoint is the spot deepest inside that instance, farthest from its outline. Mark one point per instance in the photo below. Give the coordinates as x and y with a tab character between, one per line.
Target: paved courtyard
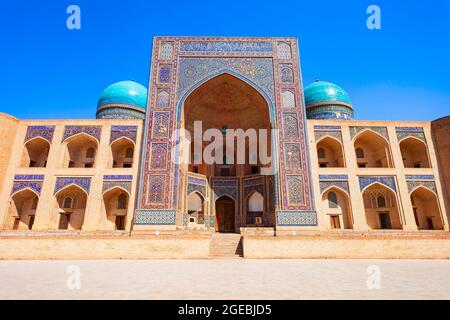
225	279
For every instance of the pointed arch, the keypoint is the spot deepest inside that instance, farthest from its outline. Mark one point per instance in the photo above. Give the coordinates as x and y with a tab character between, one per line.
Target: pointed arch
414	153
379	184
377	151
335	187
22	210
75	148
338	216
385	214
426	208
115	206
333	152
35	152
233	74
119	157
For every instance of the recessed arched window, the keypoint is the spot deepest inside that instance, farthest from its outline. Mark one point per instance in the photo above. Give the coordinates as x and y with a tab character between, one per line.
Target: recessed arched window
122	201
360	153
129	153
321	153
381	202
332	200
68	203
90	153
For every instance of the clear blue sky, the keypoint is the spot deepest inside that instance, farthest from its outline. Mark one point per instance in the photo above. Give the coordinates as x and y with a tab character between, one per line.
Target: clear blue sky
399	72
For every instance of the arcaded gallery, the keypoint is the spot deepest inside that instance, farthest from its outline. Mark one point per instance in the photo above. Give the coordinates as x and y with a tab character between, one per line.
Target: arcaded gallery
138	167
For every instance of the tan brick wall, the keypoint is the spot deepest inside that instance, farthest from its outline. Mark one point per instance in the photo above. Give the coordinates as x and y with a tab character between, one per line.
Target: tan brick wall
441	135
329	248
8	128
109	248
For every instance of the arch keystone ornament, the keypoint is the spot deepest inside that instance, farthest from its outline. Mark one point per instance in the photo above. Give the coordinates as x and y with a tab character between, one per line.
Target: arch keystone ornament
271	67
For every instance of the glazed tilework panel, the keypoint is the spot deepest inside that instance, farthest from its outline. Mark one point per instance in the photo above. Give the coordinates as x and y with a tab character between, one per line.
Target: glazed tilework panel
354	131
18	186
226	46
229	187
292	156
94	131
156	193
271	66
196	185
109	185
406	132
161	124
388	181
290	127
412	185
253	184
29	177
194	70
83	183
118	132
154	217
159	156
45	132
324	185
295	190
321	134
296	218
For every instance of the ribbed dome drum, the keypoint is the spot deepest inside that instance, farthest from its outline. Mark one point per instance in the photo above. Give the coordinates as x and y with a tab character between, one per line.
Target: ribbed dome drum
325	100
122	100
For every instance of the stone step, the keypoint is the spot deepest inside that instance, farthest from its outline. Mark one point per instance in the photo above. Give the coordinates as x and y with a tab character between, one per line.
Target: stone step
225	246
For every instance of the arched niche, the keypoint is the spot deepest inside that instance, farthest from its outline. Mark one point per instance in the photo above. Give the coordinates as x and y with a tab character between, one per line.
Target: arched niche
381	207
329	153
80	151
35	153
122	153
71	207
115	208
372	151
426	209
414	153
22	210
336	207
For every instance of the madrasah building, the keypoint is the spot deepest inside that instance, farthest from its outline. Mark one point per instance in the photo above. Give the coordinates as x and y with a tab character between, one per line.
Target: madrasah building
118	173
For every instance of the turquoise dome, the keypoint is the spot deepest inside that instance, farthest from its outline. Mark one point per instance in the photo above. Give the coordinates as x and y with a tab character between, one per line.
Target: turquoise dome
326	100
122	100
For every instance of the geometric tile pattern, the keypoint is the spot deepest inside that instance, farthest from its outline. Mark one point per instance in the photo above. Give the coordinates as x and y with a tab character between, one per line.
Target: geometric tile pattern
380	130
296	218
94	131
82	182
129	132
406	132
388	181
154	217
45	132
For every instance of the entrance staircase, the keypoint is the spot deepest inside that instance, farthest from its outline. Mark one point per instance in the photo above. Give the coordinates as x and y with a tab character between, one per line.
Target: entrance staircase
226	246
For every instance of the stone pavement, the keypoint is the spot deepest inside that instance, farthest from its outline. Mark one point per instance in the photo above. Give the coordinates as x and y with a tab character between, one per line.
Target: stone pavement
225	279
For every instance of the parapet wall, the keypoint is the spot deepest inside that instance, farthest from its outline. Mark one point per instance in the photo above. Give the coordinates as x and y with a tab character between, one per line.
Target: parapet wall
335	248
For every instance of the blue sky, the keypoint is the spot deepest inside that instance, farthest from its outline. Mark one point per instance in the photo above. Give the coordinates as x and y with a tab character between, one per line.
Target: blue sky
401	72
